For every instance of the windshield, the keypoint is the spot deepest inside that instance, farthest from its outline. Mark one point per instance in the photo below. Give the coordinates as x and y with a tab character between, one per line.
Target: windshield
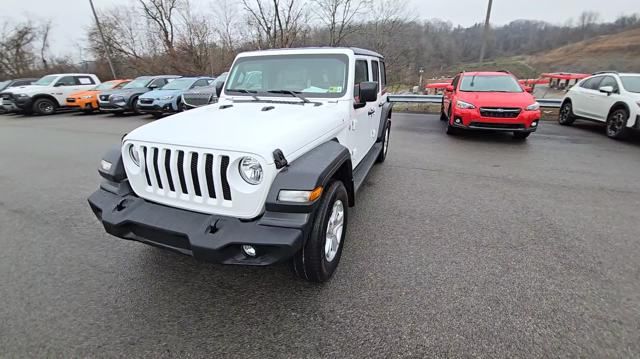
631	83
178	84
310	75
105	86
4	84
138	83
487	83
46	81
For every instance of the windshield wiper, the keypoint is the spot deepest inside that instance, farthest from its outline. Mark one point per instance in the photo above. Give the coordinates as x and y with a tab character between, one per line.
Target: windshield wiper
292	93
248	92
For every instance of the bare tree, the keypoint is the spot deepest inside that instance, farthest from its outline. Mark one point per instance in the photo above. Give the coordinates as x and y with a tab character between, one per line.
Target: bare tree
586	22
278	23
339	17
16	48
162	13
45	29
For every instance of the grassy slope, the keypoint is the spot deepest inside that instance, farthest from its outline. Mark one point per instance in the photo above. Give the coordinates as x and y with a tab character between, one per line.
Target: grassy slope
619	52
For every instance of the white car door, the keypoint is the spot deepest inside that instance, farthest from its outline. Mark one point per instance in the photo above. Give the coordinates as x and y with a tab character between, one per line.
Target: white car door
361	118
377	76
601	102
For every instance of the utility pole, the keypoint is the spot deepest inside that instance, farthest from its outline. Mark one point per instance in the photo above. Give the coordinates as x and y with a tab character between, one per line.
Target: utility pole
104	41
487	26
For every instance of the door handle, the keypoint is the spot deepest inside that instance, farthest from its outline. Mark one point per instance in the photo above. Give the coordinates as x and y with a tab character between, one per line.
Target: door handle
372	112
380	104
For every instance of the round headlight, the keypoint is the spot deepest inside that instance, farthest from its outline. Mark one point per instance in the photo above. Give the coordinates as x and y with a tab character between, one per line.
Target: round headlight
134	155
250	170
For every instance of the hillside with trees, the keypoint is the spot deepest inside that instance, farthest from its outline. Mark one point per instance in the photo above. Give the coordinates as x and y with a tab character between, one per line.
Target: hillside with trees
174	36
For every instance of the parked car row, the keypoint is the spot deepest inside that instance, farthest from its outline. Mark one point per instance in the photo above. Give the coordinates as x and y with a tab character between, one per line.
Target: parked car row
157	95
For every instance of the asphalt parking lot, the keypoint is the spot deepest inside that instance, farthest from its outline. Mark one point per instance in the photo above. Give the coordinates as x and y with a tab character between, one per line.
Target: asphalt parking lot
460	246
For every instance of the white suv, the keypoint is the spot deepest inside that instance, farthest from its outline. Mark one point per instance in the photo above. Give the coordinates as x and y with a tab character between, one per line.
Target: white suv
610	97
48	94
265	175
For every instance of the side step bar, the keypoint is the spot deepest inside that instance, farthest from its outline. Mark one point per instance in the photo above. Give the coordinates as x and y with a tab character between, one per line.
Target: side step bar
364	167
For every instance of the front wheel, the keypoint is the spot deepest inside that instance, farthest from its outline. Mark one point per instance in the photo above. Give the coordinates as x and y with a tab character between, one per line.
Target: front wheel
319	258
44	106
617	124
566	116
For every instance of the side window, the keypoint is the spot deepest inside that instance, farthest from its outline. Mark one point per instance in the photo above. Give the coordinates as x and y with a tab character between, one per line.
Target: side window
158	83
66	81
455	82
362	71
592	83
84	80
375	71
609	81
23	83
201	83
383	75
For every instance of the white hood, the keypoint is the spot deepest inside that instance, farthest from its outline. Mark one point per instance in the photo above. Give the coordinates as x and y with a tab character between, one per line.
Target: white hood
27	90
247	127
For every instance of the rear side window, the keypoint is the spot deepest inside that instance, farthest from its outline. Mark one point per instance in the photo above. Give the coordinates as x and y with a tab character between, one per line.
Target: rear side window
375	71
609	81
84	80
383	75
362	71
66	81
592	83
201	83
158	83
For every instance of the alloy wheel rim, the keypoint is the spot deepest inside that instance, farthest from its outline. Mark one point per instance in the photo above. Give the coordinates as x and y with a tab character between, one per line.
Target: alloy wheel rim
616	123
334	231
565	112
46	107
386	141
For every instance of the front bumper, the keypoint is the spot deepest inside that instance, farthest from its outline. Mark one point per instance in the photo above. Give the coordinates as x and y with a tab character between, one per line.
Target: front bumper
156	107
473	120
23	103
211	238
82	104
112	107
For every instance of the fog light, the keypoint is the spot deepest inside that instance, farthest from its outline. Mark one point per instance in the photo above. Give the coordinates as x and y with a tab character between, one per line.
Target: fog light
534	123
249	250
458	121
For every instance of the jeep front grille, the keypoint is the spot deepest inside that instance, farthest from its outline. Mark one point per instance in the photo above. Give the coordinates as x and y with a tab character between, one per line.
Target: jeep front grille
185	174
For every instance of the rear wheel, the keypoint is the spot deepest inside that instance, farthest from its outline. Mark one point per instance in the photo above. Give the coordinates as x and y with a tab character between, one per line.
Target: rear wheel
617	124
385	143
319	258
134	106
521	135
44	106
566	116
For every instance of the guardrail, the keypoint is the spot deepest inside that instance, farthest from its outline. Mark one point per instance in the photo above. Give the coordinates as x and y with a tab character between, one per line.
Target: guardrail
544	102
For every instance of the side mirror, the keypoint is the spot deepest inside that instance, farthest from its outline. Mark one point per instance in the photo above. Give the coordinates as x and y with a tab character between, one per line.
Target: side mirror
219	87
449	88
606	89
365	92
59	84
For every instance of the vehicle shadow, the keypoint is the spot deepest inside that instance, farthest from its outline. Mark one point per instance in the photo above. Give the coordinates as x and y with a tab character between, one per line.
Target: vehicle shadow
486	136
599	128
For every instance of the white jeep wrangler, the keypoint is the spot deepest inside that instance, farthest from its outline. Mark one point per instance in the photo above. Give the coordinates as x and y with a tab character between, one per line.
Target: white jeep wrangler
48	94
265	175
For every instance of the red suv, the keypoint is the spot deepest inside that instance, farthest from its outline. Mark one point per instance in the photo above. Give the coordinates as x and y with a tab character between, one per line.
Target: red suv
489	101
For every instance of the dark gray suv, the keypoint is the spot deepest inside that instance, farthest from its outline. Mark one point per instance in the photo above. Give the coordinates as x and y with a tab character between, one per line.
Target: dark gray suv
202	96
126	99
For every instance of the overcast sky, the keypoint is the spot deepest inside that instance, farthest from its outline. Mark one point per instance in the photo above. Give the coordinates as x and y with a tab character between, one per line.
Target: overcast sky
71	19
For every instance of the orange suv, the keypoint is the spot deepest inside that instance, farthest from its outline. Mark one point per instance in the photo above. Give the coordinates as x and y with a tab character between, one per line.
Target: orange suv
87	101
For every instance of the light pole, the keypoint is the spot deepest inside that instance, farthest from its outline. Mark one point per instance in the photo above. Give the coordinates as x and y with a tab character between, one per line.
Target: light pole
485	36
104	42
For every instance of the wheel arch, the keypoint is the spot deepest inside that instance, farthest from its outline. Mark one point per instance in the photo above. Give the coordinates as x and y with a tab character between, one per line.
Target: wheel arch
619	105
385	116
316	168
45	96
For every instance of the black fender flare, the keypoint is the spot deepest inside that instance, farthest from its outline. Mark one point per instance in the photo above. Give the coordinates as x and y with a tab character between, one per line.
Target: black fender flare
313	169
114	172
385	115
619	104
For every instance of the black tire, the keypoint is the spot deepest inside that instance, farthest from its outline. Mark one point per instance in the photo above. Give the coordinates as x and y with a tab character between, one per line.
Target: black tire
521	135
311	263
118	113
134	106
617	124
452	131
44	106
566	116
385	143
443	116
